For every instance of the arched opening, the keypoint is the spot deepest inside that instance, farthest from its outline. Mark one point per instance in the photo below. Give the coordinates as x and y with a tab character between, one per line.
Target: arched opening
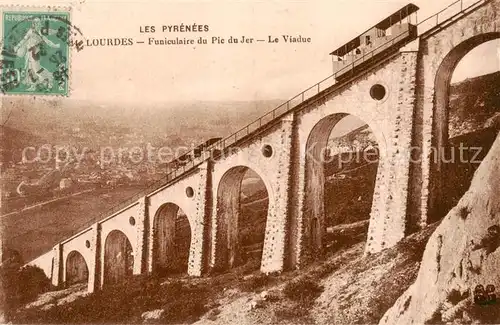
466	106
118	258
242	209
76	268
172	240
340	171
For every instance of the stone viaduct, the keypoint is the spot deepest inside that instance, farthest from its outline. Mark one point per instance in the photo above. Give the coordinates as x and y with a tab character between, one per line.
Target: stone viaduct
283	149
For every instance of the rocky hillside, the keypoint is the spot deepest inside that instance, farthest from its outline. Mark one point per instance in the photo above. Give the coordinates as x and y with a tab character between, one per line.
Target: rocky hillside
472	102
461	255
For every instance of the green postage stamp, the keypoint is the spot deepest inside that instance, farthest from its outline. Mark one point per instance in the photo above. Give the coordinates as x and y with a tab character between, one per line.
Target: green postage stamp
35	52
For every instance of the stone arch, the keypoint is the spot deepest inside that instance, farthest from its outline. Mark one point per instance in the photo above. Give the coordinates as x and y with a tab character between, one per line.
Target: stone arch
314	219
230	249
118	257
76	268
440	125
172	234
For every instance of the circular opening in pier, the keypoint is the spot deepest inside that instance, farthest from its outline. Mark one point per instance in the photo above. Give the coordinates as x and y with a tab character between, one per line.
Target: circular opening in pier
189	191
87	244
267	151
132	221
378	92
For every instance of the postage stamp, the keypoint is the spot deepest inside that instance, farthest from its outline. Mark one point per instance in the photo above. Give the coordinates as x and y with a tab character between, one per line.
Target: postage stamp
35	52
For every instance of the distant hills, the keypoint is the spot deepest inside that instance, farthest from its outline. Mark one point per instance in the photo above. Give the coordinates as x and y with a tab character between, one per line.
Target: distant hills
79	123
12	142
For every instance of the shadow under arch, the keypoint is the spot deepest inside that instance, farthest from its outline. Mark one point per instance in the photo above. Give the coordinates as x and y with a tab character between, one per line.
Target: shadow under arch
171	240
76	268
318	159
118	258
440	146
241	223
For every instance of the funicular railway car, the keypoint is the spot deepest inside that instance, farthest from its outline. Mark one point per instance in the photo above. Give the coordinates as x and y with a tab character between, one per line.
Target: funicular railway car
189	156
204	146
376	42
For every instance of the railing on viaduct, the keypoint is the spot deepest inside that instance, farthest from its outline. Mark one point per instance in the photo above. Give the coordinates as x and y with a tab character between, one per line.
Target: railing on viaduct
447	15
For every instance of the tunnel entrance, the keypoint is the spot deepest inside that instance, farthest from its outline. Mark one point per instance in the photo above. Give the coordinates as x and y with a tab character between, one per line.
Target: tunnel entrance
242	210
340	171
467	115
172	240
118	258
76	269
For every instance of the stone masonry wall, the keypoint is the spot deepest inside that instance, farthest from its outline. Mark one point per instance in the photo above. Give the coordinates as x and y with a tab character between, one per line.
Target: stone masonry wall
273	255
57	265
391	126
95	263
274	172
121	222
193	207
440	52
141	241
83	244
391	229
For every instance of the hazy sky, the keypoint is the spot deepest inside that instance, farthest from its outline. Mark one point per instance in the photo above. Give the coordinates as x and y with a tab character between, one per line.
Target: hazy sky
142	73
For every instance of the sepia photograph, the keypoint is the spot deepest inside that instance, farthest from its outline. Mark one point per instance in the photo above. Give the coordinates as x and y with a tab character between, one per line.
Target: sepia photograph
250	162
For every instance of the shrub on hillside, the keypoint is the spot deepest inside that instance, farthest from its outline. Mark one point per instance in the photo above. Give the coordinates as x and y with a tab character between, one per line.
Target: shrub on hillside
189	308
302	292
21	285
32	282
255	282
303	289
292	312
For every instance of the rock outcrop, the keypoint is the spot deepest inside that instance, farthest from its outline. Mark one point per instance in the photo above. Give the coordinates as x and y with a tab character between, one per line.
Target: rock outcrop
461	254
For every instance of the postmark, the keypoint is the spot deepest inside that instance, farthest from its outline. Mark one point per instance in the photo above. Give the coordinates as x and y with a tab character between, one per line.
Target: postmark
36	51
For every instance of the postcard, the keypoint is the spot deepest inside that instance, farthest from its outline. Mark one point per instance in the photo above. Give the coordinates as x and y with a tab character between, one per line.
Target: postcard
253	162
